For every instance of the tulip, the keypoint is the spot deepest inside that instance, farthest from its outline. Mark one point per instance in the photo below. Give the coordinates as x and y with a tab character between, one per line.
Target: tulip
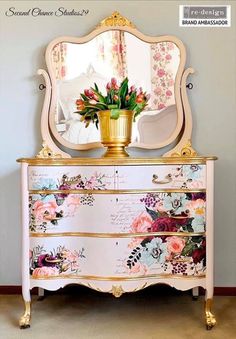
113	81
132	88
92	102
139	99
127	97
80	104
108	86
95	97
115	98
88	93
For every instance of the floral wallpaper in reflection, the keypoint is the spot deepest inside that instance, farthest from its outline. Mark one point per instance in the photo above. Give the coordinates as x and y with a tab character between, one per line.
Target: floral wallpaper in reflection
164	65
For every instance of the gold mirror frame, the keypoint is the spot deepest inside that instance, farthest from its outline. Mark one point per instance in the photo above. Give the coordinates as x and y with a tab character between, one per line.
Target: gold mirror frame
184	120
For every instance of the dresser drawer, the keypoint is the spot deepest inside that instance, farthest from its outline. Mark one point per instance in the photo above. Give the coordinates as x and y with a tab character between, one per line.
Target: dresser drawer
108	258
161	176
71	177
117	213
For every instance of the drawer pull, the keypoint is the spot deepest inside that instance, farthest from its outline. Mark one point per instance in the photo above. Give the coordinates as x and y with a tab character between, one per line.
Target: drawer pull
166	180
53	261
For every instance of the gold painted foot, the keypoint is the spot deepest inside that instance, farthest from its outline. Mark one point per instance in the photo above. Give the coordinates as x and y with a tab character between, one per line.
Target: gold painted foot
25	318
210	318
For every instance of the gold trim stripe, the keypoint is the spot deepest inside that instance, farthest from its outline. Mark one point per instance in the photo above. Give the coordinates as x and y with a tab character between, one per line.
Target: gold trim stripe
124	278
115	235
131	191
115	161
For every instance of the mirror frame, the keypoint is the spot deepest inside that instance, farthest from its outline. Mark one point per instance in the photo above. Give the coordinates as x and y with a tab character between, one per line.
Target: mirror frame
183	130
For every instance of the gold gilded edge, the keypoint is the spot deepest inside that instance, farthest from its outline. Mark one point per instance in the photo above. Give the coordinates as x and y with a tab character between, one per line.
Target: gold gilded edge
131	191
117	291
186	151
47	153
115	161
116	20
124	278
100	290
114	235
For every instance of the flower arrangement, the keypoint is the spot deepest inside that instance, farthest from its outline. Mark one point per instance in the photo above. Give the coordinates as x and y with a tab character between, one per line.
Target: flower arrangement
117	97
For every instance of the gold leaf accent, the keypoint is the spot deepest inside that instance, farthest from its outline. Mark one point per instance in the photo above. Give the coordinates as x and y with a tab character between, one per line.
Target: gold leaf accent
186	151
116	20
47	153
24	321
209	316
117	291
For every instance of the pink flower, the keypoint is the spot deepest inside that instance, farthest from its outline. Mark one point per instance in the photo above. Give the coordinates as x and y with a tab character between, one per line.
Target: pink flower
170	45
142	223
168	57
157	56
44	211
132	88
41	272
171	82
113	81
196	207
168	93
91	183
72	202
138	268
161	106
158	91
175	244
161	73
88	93
108	86
92	102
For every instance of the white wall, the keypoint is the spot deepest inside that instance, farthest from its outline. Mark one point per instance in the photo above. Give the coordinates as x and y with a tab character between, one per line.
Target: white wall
211	51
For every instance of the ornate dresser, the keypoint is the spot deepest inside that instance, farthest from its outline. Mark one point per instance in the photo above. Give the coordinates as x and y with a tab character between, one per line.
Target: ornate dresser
117	225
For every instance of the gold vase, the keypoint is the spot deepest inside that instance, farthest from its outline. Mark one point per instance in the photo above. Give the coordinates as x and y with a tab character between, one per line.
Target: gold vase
116	133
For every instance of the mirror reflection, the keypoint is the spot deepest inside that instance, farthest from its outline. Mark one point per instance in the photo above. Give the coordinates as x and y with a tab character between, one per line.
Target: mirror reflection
119	54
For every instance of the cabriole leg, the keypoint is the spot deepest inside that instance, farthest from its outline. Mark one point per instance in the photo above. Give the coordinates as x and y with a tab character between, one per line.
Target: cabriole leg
25	318
210	318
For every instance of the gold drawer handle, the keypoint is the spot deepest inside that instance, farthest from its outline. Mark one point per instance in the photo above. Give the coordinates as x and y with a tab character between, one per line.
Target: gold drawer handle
53	261
167	179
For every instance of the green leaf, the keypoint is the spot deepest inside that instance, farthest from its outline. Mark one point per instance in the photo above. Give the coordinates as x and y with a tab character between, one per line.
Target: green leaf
113	106
197	239
96	87
100	96
153	214
123	91
101	106
115	113
83	96
188	249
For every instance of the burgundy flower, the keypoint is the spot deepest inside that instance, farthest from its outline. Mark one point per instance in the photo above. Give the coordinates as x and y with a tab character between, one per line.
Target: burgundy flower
63	187
163	225
199	254
198	195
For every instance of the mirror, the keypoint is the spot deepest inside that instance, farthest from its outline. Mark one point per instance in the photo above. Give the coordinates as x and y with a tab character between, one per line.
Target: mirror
155	64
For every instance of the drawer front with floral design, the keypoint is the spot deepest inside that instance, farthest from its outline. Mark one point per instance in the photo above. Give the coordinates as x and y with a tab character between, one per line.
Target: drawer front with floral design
107	258
71	177
161	176
115	213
